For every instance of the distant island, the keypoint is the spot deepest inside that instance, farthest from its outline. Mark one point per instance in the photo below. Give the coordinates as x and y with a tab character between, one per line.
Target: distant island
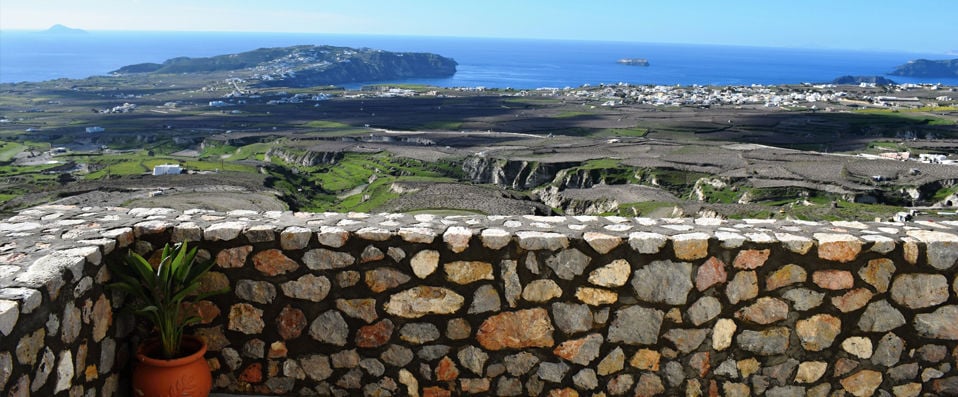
308	65
876	80
928	68
634	61
61	29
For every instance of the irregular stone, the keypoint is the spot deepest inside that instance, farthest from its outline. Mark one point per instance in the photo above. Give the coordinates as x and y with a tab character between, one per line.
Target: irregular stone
858	346
704	310
580	351
245	318
255	291
397	356
371	254
596	296
418	333
397	254
646	243
290	323
374	335
446	370
833	279
568	263
636	325
878	273
941	249
43	371
363	309
881	316
277	350
690	246
485	299
601	242
748	366
509	387
711	272
764	311
744	286
586	379
572	318
542	290
329	327
910	250
842	248
727	368
316	366
373	234
384	278
686	340
797	244
6	369
259	233
457	238
903	372
422	300
722	333
510	280
919	290
863	383
940	324
810	371
516	330
213	281
332	236
818	332
649	385
424	263
308	287
473	359
612	363
458	329
786	275
945	387
844	366
28	347
615	274
932	353
520	363
785	391
646	359
768	342
224	231
324	259
804	299
535	241
412	385
373	367
214	337
751	259
345	359
700	363
889	350
620	384
552	372
64	373
495	239
347	278
294	238
468	272
648	281
417	235
852	300
532	263
69	327
233	257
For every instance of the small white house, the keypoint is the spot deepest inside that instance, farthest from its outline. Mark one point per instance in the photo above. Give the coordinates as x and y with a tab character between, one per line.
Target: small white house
91	130
167	169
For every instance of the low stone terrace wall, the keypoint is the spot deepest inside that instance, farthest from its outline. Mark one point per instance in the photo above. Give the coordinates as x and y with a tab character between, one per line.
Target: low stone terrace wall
392	304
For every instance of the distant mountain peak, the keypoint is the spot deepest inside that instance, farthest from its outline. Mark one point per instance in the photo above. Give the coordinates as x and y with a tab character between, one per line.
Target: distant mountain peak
63	29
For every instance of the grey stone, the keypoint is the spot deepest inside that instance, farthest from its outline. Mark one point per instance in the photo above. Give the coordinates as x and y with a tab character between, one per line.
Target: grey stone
324	259
330	327
256	291
903	372
316	366
647	243
534	241
419	333
224	231
71	325
580	351
397	356
373	367
612	363
363	309
889	350
704	310
636	325
417	235
344	359
309	287
485	299
781	372
520	363
254	348
397	254
107	355
495	239
259	233
28	346
473	359
744	286
295	238
332	236
64	372
280	385
30	299
349	278
572	318
567	264
674	373
770	341
917	290
511	283
880	316
532	263
785	391
878	273
686	340
941	249
804	299
373	234
553	372
508	387
432	352
541	290
932	353
727	368
371	254
43	371
586	379
232	358
648	281
6	368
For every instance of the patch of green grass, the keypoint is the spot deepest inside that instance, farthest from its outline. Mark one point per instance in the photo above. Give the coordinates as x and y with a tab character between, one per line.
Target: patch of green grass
943	193
10	149
325	124
643	208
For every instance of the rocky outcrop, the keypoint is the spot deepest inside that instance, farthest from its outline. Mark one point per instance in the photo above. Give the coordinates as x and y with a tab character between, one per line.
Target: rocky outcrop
877	80
306	159
928	68
512	174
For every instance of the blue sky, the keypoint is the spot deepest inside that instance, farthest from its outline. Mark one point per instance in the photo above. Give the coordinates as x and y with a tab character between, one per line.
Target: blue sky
915	26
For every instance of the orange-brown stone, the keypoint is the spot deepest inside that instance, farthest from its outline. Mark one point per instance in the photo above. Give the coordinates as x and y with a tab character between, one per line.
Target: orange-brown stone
751	259
233	257
852	300
787	275
474	385
700	363
516	330
206	311
566	392
646	359
710	273
272	262
290	323
833	279
838	247
435	391
277	350
374	335
446	370
252	373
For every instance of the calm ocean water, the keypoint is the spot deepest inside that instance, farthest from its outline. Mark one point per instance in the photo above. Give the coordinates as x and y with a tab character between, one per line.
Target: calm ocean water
516	63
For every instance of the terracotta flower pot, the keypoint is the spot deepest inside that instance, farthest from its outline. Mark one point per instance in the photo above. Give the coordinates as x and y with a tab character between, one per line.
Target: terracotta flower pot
185	376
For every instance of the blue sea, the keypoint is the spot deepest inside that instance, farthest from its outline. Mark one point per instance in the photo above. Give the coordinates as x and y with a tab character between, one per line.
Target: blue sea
485	62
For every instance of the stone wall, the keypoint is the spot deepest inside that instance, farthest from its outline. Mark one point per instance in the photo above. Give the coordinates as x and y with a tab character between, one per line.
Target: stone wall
392	304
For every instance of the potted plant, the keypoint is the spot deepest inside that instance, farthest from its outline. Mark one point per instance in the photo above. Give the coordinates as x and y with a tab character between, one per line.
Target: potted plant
170	363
